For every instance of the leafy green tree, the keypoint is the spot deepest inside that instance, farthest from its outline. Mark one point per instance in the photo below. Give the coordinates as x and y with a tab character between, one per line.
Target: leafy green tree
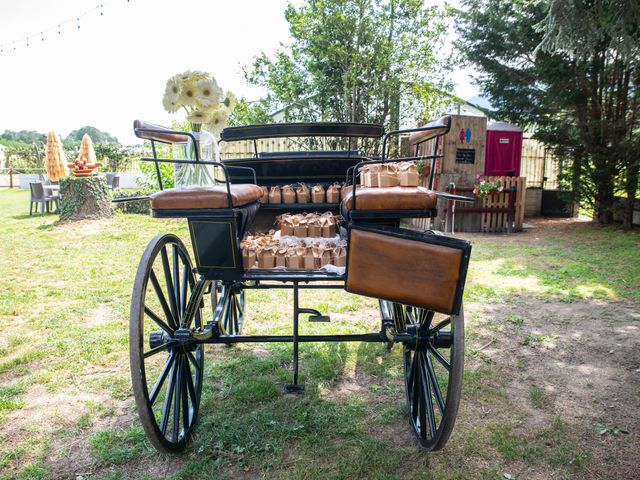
570	69
357	61
97	136
250	113
113	156
24	136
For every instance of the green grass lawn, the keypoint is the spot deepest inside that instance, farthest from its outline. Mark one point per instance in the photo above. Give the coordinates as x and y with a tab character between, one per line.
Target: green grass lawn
66	406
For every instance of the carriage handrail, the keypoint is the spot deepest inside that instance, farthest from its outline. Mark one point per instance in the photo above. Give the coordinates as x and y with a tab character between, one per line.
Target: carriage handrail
310	129
433	129
158	133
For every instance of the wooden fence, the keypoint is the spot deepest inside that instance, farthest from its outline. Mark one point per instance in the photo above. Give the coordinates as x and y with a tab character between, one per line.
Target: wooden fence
512	199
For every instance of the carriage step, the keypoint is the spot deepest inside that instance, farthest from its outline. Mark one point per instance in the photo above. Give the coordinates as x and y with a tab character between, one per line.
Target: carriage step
295	388
319	318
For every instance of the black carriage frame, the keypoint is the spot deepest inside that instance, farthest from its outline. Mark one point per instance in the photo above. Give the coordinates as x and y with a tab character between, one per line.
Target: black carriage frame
404	324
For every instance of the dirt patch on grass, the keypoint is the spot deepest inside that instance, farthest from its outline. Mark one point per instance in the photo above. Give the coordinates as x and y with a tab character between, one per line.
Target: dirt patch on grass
577	361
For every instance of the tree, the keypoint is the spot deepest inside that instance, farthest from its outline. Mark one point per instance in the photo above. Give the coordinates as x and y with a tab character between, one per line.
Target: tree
113	156
248	113
570	69
24	136
97	136
357	61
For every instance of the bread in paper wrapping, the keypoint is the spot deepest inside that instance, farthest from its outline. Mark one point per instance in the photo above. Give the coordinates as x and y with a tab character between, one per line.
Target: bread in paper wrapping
387	175
275	195
302	194
288	194
317	194
408	174
333	193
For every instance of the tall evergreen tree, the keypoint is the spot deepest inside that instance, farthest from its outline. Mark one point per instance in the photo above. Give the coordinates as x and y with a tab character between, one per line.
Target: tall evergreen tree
569	68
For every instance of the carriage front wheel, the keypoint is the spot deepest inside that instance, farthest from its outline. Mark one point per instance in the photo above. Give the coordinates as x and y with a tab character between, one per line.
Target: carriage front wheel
433	366
166	371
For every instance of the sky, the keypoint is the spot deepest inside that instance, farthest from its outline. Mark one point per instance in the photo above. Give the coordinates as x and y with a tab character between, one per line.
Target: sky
113	69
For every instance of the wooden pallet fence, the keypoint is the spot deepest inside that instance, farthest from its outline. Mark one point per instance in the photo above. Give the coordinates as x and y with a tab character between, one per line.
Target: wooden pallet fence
505	210
499	212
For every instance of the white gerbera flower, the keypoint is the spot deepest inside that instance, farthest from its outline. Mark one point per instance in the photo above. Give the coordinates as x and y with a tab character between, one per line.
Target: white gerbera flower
207	91
193	76
172	94
188	94
217	120
198	116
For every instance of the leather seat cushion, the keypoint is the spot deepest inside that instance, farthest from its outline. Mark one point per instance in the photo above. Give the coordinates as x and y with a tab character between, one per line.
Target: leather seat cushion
391	198
205	197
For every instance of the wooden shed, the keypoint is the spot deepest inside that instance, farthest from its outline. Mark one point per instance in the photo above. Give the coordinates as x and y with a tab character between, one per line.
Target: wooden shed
464	151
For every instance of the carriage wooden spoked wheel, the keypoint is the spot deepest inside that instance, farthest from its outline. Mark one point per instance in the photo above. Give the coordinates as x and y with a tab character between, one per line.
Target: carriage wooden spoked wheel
433	360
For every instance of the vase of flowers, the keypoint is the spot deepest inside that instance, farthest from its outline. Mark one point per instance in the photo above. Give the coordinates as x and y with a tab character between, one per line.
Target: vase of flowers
207	109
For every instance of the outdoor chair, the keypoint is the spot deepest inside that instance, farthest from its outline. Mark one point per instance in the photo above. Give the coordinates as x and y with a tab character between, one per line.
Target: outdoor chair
113	181
39	196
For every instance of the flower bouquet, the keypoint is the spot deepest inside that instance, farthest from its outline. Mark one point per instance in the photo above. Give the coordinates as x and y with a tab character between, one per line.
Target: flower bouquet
205	104
484	187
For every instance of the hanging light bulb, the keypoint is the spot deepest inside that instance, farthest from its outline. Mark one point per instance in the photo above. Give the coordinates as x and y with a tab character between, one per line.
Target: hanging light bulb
42	35
101	12
27	41
78	20
58	29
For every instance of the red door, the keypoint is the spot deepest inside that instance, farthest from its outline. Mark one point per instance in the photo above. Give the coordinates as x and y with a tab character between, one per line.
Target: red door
503	153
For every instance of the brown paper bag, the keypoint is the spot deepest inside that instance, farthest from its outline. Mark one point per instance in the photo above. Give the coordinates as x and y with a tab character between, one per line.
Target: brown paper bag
275	196
248	259
267	258
317	194
309	259
295	258
300	228
265	195
288	194
333	193
302	193
286	225
387	176
340	257
329	225
370	175
408	175
281	257
326	257
314	229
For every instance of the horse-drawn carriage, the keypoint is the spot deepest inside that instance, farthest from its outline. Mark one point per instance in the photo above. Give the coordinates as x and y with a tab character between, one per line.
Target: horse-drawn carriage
418	277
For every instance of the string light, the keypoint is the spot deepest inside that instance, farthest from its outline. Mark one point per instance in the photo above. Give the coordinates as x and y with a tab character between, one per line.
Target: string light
56	27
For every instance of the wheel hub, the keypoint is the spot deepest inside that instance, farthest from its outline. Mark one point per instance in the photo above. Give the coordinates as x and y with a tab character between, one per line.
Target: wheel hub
422	340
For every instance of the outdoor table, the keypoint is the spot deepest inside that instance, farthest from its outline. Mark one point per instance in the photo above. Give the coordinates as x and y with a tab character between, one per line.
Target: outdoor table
51	189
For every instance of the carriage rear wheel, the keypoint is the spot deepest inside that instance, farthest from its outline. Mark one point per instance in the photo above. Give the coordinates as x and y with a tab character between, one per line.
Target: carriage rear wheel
166	366
433	366
230	306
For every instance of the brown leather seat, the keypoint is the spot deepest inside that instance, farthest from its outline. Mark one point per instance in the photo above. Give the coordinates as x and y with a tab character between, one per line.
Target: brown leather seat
204	197
391	198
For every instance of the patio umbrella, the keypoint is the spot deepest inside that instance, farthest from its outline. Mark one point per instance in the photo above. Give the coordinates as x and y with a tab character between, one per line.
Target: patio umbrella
55	162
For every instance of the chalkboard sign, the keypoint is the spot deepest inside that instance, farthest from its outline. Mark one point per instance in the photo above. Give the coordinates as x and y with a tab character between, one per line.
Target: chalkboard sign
466	156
